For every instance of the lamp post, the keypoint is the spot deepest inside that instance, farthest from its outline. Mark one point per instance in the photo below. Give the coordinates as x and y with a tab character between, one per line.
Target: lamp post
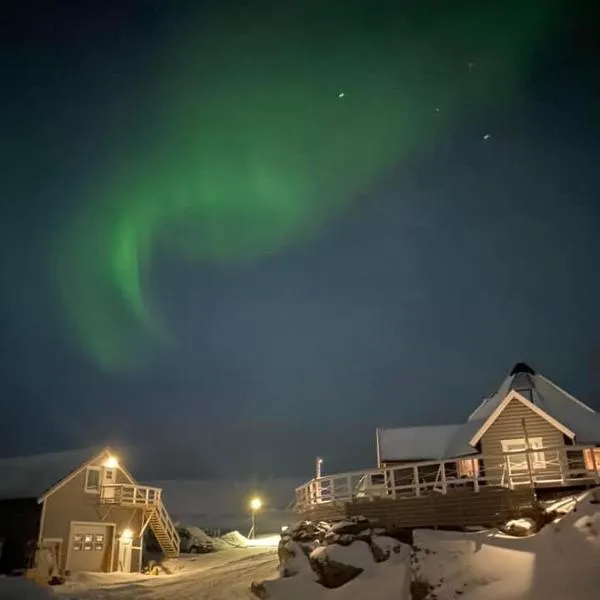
318	465
255	506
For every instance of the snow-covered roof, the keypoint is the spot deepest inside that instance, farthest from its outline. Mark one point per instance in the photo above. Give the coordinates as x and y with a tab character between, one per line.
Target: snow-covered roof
423	443
31	476
448	441
582	420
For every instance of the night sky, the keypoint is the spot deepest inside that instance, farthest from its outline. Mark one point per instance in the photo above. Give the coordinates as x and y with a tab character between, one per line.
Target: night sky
246	234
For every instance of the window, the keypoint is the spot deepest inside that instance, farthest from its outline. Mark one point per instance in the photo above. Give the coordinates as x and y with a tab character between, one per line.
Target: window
518	461
92	480
468	467
591	458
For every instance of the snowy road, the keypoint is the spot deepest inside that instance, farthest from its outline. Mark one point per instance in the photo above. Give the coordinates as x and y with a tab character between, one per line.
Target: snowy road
225	575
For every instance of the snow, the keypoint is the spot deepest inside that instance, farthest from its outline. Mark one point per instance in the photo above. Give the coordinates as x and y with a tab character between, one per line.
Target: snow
235	539
553	400
264	541
224	575
19	588
388	580
357	554
558	563
415	443
522	525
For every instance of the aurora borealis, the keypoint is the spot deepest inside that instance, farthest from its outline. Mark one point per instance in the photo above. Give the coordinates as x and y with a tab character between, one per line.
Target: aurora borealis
258	125
258	221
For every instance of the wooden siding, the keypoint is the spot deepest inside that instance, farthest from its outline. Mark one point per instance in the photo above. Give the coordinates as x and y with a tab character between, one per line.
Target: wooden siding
461	508
508	426
72	503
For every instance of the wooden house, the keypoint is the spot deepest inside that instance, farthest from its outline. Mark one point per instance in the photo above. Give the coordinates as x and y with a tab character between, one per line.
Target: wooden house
78	511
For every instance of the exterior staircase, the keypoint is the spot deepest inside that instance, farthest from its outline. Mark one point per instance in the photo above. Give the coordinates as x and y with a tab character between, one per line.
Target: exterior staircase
164	530
148	500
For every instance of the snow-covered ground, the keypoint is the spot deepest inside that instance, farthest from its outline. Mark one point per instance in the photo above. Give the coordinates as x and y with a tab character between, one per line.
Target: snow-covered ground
558	563
224	575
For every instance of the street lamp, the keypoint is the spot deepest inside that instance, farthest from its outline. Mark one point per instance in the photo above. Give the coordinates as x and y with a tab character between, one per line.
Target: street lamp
255	506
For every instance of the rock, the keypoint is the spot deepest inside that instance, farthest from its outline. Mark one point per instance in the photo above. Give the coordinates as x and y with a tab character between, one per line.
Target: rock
421	590
293	558
332	574
259	590
519	527
309	547
379	554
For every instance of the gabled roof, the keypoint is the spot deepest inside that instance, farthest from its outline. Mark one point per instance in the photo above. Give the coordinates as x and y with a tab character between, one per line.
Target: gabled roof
422	443
568	414
563	411
31	476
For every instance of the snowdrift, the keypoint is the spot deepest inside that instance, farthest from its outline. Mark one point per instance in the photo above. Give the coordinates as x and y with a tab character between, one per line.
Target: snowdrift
558	563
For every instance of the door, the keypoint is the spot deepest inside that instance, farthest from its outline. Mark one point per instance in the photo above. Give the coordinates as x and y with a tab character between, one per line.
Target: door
48	557
109	478
124	561
89	547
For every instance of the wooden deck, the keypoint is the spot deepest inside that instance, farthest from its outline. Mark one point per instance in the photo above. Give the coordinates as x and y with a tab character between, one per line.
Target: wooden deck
488	508
445	494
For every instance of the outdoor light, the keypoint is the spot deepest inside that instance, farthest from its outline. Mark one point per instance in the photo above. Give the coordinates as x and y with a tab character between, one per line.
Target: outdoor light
111	462
255	505
127	535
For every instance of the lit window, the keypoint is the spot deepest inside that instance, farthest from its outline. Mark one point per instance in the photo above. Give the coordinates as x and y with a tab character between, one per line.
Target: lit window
591	457
517	459
92	479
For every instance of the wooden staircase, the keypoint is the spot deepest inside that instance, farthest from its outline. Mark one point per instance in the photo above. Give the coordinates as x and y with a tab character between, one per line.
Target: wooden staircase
148	500
164	530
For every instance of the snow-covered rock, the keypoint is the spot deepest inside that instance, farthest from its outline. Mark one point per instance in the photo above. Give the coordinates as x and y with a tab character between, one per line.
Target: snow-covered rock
333	555
557	563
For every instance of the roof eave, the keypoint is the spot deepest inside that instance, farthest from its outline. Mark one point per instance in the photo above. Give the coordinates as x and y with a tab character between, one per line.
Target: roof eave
72	474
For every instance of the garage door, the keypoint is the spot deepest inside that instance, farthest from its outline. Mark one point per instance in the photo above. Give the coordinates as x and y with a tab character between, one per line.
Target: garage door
90	547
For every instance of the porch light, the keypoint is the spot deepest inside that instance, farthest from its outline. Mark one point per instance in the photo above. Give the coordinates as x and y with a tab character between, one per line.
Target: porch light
127	535
112	462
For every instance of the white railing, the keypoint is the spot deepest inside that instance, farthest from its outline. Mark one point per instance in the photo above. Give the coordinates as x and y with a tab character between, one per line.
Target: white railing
560	466
128	494
169	528
144	497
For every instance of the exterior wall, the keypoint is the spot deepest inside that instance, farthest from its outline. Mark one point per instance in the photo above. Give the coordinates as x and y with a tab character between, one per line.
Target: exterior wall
461	508
19	526
72	503
509	425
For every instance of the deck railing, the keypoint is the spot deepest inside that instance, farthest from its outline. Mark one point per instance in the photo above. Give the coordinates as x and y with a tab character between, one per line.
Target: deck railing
127	494
539	466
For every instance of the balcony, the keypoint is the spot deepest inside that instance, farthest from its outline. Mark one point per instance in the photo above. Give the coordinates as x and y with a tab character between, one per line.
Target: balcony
542	467
126	494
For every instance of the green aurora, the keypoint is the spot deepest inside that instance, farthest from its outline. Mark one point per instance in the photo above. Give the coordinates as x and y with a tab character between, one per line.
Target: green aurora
261	130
